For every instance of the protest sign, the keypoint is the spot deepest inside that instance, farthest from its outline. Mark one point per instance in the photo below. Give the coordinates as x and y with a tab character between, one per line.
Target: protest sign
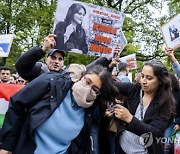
171	32
6	91
130	60
89	29
5	44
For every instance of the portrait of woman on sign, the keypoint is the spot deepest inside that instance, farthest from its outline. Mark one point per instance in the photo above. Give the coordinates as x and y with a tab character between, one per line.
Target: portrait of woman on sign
71	35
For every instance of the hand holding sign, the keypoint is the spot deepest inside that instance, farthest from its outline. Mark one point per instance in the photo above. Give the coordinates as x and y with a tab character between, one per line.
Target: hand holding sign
171	32
169	52
49	42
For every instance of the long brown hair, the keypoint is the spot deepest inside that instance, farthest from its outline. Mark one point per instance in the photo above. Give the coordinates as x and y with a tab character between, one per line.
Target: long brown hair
164	96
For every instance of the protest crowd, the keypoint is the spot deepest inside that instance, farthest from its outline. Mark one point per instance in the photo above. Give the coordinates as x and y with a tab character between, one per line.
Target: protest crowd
93	109
101	111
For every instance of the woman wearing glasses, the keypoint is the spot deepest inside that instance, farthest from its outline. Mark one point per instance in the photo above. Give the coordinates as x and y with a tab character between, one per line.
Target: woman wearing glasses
150	108
52	114
70	34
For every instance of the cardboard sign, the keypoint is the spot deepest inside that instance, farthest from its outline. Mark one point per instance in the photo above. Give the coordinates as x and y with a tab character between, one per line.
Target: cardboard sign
130	60
5	44
88	29
171	32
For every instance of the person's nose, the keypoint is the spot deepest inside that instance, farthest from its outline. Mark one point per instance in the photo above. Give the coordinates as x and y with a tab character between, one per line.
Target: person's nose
144	80
81	16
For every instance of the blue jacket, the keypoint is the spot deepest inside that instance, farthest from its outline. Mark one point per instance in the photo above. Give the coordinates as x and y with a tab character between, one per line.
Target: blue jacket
176	68
31	106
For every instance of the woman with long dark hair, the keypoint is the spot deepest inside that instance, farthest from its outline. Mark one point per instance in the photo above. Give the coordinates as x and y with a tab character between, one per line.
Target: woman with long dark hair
150	109
53	113
70	33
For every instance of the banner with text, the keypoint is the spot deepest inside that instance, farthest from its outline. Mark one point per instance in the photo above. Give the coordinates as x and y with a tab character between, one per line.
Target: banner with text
89	29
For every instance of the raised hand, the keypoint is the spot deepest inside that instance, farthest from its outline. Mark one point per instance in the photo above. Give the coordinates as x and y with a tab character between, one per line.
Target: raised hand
170	53
49	42
69	30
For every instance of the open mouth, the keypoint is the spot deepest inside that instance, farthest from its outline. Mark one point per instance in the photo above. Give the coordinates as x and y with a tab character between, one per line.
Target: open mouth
55	66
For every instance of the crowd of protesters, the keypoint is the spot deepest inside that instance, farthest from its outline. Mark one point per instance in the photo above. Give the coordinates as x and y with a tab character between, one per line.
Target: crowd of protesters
87	109
7	77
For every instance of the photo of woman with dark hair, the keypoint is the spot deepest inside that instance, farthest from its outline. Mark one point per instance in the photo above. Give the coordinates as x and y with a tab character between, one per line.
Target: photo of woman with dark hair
70	33
175	32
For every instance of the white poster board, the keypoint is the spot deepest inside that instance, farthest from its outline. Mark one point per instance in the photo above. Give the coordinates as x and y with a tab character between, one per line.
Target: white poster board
102	27
171	32
130	60
5	44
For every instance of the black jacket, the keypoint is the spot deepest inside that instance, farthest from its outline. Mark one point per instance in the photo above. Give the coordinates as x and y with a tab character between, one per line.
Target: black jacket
28	65
29	68
77	39
31	106
177	100
153	124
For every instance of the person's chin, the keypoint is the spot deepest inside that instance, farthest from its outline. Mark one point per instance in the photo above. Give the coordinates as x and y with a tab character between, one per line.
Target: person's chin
145	88
55	69
79	22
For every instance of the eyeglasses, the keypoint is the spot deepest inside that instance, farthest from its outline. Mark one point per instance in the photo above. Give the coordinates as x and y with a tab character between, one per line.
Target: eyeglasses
21	81
88	83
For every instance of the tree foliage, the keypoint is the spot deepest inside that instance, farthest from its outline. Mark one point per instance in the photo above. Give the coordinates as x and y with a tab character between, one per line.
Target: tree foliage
29	20
32	20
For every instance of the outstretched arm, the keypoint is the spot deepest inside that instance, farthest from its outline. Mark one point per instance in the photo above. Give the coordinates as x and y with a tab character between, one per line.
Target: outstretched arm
175	65
27	66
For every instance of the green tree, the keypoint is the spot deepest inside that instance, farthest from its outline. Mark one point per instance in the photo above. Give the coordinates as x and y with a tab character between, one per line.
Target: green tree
32	20
29	20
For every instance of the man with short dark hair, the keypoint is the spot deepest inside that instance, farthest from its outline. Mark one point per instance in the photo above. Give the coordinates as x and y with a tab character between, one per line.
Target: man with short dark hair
5	73
28	66
123	72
